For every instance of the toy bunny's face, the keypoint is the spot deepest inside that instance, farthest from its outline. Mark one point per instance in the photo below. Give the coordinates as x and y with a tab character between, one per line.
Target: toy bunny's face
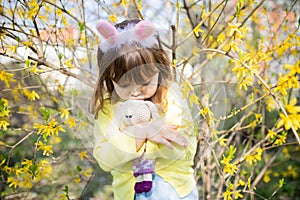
135	112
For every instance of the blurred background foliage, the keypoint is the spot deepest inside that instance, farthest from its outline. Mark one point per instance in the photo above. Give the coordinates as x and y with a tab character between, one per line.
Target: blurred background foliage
238	64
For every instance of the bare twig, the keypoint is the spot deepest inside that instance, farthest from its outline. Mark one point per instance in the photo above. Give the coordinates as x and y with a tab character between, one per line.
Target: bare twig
261	80
138	9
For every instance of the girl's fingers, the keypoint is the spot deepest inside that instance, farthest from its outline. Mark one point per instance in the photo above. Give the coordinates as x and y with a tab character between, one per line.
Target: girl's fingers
176	137
174	127
159	139
167	143
170	136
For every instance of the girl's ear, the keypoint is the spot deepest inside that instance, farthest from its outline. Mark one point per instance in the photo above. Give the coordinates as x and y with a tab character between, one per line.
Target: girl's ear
107	30
144	29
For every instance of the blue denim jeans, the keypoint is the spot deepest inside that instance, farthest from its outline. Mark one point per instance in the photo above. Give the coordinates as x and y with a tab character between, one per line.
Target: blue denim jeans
163	190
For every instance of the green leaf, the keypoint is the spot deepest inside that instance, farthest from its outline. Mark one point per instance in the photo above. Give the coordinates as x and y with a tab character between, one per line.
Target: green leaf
33	168
81	26
79	169
27	62
60	56
74	92
249	183
281	182
80	113
66	190
178	6
46	113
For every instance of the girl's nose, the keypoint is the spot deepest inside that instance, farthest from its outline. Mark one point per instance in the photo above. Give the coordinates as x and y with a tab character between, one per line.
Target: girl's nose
136	92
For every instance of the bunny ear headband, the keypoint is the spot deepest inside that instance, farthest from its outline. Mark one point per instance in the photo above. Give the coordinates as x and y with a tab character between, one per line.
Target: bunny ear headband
142	33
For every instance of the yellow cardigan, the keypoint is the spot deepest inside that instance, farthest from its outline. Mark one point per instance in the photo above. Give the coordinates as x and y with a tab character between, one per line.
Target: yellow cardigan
174	166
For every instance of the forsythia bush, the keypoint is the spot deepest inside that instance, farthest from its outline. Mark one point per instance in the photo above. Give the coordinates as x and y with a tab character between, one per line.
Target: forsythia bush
238	65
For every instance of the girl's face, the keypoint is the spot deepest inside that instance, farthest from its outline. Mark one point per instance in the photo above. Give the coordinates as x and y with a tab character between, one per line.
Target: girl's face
138	92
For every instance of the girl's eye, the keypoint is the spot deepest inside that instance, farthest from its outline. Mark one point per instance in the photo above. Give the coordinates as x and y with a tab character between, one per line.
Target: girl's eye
145	84
124	86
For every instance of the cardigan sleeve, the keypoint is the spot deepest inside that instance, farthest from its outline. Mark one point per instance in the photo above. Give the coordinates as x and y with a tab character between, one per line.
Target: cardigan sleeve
178	114
112	152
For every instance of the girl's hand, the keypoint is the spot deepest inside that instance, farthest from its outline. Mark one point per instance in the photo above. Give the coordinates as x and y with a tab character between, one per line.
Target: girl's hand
166	135
159	132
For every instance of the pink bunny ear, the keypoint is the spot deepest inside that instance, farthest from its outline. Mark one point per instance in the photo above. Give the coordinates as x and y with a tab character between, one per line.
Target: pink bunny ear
107	30
144	29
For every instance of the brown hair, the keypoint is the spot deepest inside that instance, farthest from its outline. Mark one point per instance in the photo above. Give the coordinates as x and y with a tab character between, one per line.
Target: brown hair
143	63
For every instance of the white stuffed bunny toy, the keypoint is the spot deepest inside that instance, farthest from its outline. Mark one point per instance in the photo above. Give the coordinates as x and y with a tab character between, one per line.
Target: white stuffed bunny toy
141	113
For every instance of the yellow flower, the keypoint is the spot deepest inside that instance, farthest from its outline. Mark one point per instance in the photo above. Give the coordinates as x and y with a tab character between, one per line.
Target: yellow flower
47	149
6	77
4	102
58	12
291	171
51	128
64	113
240	71
272	134
4	125
223	141
87	173
4	108
237	195
44	169
69	64
234	28
12	49
2	162
27	43
250	159
286	152
221	38
125	2
280	139
254	158
194	100
241	183
291	108
227	195
83	155
19	171
61	89
27	163
197	30
77	180
26	183
289	121
282	85
71	121
245	82
186	88
8	170
35	70
12	182
230	168
55	139
266	177
294	69
113	18
32	96
33	10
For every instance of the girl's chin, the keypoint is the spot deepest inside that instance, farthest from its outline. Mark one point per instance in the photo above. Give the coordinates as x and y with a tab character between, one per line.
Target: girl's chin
137	98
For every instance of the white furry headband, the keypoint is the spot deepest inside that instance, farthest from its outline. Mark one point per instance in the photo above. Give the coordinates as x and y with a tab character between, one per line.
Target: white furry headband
142	33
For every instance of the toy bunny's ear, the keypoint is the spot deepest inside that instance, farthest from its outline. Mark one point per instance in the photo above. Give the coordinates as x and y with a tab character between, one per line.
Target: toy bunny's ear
107	30
144	29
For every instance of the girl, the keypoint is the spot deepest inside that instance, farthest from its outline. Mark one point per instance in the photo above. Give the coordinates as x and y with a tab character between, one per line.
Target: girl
132	65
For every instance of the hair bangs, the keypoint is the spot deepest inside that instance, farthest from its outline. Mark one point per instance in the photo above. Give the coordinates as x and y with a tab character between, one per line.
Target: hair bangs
137	66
